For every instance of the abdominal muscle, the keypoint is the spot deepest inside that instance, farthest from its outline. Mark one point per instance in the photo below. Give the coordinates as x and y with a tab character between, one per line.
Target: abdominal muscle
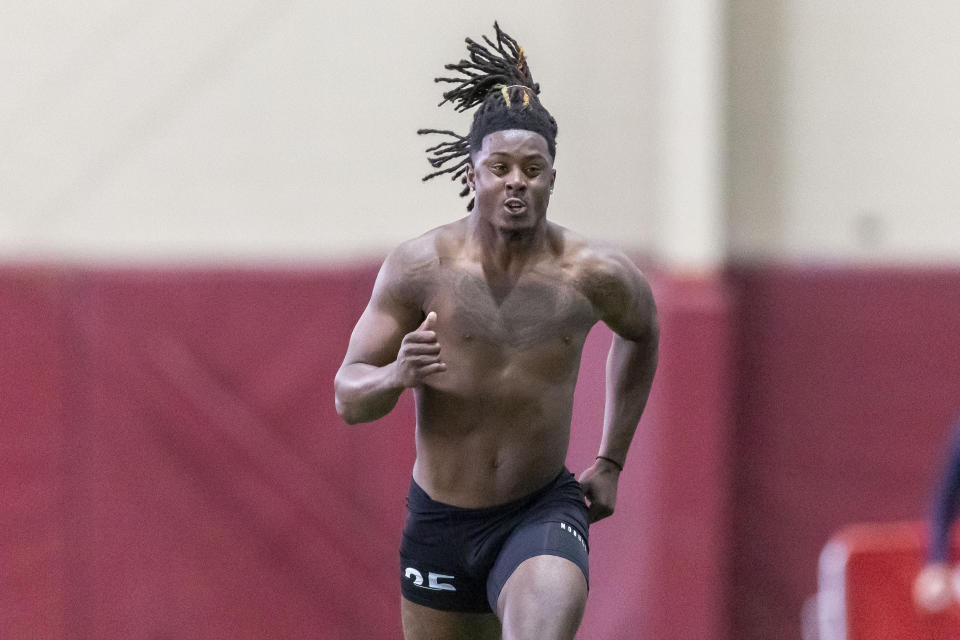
486	440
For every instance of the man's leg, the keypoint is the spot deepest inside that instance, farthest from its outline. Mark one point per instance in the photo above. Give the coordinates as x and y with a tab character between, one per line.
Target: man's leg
543	599
424	623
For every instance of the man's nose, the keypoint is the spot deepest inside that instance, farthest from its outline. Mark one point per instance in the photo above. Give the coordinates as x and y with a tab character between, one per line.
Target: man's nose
516	179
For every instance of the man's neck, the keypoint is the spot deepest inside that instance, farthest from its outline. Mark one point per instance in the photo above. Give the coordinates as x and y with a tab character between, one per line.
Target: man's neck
505	251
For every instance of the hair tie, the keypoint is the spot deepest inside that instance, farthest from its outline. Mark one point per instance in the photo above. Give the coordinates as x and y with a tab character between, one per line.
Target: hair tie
505	91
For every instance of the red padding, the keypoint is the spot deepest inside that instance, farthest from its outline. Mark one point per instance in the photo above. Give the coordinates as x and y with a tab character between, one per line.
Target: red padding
867	573
174	467
35	566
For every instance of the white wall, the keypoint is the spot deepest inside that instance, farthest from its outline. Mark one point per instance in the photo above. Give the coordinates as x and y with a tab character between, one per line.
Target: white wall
844	130
286	130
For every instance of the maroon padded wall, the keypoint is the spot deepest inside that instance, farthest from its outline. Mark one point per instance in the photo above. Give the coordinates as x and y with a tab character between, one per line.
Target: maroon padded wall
171	464
34	528
220	495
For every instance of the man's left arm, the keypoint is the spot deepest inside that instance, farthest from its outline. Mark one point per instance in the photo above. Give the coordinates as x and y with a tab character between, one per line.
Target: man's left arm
625	303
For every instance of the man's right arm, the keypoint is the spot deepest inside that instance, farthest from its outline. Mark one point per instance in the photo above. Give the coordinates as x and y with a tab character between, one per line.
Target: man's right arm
388	352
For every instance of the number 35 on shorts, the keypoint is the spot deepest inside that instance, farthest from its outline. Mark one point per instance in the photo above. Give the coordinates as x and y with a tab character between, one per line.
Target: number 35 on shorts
433	580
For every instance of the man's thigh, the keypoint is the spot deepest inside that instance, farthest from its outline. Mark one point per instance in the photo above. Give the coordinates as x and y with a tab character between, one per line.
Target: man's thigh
543	599
424	623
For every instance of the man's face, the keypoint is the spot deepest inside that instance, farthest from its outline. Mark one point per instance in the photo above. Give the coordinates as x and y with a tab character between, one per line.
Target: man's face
512	176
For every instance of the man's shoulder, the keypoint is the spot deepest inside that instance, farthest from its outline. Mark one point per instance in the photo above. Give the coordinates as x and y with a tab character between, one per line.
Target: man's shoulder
411	269
590	256
428	247
613	283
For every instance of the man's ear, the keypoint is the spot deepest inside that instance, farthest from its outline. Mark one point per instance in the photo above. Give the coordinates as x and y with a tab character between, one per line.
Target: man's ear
553	178
471	177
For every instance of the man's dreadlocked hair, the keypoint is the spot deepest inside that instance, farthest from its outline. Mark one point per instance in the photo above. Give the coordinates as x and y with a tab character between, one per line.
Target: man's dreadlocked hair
497	78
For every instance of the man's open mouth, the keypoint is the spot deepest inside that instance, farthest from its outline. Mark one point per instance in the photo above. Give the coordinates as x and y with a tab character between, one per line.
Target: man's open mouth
515	205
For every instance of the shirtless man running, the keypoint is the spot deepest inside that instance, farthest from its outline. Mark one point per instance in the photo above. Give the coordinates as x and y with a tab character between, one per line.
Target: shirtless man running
485	319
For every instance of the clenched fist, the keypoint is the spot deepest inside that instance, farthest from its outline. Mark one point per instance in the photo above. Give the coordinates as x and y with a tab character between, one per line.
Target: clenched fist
599	483
419	354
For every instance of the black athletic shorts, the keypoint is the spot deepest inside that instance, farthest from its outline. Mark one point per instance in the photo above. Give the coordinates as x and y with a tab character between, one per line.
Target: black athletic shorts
458	559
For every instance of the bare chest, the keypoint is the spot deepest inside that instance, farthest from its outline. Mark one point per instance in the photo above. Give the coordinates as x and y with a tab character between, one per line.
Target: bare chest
540	308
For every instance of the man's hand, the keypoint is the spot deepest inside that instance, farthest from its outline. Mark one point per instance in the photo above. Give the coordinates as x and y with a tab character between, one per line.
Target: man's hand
932	590
419	354
599	484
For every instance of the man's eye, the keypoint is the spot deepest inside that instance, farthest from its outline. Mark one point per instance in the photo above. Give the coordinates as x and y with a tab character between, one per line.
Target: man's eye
498	168
533	171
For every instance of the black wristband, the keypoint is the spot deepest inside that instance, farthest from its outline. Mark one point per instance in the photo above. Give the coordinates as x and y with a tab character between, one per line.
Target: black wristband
611	461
